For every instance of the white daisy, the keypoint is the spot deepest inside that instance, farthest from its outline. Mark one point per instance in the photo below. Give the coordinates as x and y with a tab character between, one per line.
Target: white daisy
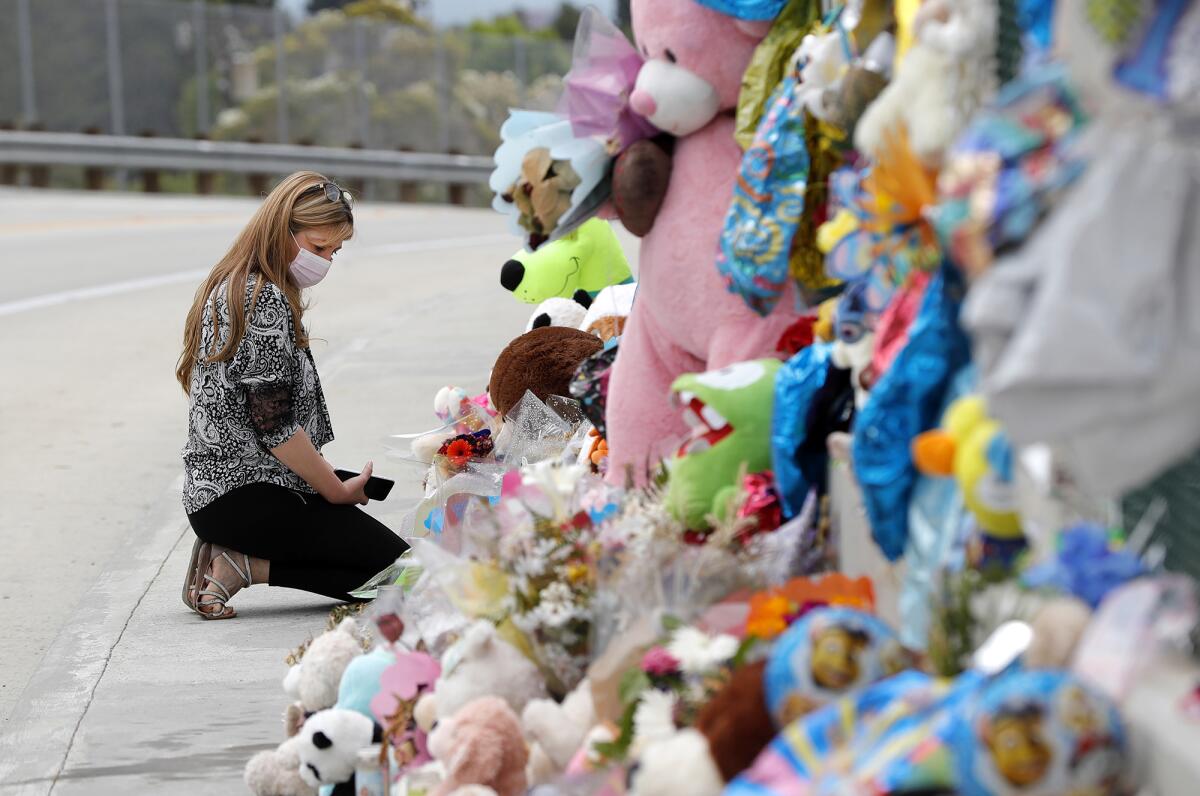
698	652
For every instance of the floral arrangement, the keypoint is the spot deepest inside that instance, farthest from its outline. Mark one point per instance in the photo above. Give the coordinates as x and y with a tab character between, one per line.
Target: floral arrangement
760	502
463	448
550	549
670	685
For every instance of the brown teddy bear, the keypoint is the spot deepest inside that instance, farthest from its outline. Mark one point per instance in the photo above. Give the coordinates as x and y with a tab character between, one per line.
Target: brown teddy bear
730	732
736	721
542	361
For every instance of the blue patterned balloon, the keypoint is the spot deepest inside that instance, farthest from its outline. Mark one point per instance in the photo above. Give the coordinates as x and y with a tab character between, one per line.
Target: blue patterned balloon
768	200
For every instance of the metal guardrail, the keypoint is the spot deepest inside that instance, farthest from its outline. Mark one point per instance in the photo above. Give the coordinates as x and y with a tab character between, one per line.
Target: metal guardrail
184	155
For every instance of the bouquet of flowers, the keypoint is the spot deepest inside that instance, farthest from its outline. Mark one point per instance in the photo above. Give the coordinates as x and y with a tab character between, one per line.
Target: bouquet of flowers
462	448
672	682
550	549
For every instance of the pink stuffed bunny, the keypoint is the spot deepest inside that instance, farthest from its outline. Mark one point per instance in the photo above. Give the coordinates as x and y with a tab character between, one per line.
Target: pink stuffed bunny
684	320
481	744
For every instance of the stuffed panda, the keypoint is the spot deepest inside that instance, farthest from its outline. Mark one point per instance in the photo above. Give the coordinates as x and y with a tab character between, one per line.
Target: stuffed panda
568	312
331	741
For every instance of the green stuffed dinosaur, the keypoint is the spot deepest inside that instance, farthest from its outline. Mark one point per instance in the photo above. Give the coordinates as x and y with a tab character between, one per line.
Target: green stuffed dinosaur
588	259
729	411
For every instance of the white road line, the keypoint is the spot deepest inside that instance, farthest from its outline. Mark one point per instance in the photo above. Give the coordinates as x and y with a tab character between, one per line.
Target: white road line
99	291
146	283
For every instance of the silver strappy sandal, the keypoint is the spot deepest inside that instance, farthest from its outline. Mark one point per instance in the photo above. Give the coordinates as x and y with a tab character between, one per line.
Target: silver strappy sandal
221	596
191	579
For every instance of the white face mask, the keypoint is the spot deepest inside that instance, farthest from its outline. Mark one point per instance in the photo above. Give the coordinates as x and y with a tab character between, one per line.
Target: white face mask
308	268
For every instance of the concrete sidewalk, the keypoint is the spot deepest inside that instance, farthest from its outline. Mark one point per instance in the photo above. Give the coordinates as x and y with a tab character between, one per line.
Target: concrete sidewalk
176	707
137	695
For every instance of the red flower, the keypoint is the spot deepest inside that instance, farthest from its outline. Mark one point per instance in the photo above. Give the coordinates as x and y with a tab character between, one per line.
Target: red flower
458	451
762	503
796	337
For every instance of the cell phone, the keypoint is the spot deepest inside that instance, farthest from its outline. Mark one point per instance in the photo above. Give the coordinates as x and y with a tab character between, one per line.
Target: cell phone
376	489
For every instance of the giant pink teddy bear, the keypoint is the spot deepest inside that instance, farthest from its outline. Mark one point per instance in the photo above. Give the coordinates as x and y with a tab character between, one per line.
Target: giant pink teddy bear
684	320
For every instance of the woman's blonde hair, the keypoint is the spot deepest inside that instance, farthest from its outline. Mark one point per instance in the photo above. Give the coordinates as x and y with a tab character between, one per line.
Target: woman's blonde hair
263	249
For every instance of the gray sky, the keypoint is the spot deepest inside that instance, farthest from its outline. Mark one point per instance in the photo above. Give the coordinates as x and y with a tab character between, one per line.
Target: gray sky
457	12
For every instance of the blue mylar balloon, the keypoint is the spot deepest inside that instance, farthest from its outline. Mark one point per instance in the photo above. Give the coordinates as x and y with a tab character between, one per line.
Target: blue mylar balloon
906	401
746	9
795	385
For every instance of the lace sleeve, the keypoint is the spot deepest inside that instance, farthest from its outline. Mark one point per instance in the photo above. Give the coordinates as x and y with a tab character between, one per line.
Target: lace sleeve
263	368
270	408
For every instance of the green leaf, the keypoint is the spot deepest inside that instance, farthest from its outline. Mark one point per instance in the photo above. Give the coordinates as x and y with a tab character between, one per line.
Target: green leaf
671	623
618	749
633	683
739	657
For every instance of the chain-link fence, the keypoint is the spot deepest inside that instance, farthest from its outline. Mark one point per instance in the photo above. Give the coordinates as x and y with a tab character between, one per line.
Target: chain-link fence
187	68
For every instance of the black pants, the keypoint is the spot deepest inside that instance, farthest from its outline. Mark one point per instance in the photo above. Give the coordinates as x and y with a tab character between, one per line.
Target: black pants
312	544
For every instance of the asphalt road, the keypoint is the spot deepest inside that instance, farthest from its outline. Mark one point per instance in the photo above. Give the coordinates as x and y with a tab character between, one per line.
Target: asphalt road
93	292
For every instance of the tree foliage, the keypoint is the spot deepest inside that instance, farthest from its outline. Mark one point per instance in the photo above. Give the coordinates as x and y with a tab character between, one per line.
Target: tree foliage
403	87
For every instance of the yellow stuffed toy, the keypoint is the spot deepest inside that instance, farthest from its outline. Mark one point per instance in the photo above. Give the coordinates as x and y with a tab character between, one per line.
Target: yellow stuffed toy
973	448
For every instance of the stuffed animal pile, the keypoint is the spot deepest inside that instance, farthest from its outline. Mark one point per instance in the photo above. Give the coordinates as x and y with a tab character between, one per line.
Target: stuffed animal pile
923	267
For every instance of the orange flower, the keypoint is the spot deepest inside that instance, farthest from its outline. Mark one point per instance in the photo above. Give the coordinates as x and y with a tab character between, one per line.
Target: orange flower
768	615
832	589
773	610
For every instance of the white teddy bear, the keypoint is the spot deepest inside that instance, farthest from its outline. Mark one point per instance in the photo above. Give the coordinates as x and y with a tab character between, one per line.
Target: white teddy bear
313	683
944	78
314	680
483	664
555	732
823	62
660	764
277	772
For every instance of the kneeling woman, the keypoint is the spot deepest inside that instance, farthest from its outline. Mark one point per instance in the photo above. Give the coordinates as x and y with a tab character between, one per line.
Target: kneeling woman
265	505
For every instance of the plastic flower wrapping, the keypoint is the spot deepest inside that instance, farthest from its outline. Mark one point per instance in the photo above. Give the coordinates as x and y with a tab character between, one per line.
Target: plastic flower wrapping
565	563
550	550
604	68
553	169
546	180
668	686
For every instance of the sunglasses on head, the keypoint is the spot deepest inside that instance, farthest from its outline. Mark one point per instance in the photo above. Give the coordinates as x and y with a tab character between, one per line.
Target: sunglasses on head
334	193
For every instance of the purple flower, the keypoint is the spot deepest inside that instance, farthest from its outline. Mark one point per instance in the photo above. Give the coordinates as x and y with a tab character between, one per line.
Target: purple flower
657	662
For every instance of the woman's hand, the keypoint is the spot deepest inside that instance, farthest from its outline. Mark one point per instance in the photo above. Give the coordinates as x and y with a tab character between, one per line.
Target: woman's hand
305	461
354	487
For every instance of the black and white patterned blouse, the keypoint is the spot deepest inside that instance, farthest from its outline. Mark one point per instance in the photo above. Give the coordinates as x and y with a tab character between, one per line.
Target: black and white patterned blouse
250	403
